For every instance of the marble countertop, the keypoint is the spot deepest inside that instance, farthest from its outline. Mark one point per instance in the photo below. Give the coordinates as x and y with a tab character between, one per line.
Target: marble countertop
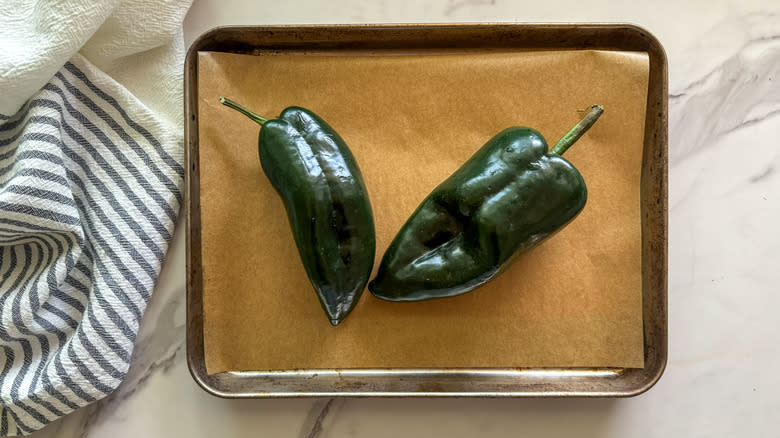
724	204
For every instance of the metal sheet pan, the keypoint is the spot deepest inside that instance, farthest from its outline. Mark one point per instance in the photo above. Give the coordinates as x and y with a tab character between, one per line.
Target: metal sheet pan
437	382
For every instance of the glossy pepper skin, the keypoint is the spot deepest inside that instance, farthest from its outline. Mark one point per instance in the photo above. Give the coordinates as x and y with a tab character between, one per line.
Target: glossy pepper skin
507	198
327	205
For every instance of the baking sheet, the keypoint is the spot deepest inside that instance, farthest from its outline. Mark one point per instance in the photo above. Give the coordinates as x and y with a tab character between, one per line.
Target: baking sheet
411	120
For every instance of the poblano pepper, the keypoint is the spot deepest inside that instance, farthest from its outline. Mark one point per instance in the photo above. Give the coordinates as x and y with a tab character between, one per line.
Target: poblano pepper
327	204
507	198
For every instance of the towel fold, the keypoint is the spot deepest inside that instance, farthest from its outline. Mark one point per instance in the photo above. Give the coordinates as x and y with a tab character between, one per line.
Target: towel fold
91	182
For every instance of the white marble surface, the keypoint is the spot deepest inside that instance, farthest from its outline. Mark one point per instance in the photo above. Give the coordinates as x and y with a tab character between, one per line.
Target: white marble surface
724	251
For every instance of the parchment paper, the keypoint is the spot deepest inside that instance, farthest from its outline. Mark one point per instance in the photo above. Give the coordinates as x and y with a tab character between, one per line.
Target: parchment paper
410	121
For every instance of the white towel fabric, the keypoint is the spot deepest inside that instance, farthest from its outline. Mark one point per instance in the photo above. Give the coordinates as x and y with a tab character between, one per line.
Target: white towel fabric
91	182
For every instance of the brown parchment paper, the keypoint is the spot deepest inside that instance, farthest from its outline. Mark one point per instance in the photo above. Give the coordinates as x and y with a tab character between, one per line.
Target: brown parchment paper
410	121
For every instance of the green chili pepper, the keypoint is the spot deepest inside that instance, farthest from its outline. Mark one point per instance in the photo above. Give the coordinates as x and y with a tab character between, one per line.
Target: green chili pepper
507	198
315	174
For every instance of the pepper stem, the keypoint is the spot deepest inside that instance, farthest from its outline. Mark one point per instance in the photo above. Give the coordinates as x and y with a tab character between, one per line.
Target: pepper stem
238	107
578	130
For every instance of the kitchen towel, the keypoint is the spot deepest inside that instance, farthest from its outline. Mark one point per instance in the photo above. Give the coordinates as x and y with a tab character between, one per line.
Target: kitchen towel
91	182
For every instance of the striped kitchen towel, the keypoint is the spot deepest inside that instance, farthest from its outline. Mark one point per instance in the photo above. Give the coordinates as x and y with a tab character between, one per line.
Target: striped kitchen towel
91	180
